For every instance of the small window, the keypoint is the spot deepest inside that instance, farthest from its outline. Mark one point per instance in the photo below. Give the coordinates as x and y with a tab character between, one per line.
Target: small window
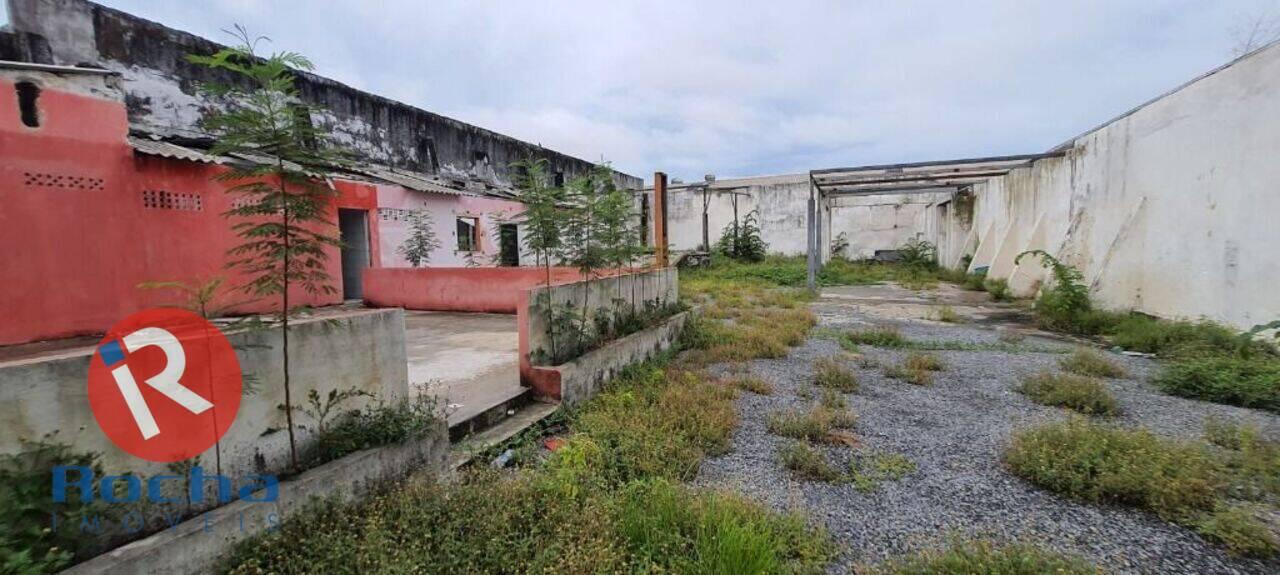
28	93
480	156
468	234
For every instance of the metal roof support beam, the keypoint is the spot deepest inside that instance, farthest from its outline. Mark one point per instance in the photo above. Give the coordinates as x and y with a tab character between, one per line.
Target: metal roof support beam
812	277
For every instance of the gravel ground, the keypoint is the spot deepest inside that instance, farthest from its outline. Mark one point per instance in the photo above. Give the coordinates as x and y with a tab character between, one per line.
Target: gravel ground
954	431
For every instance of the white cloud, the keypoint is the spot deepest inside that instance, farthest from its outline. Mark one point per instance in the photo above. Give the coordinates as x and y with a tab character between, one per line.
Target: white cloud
738	88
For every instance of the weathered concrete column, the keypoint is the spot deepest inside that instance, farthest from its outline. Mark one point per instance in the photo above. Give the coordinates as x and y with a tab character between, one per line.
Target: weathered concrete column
810	216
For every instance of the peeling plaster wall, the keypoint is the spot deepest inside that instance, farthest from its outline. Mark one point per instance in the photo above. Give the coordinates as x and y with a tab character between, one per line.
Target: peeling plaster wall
1169	210
162	95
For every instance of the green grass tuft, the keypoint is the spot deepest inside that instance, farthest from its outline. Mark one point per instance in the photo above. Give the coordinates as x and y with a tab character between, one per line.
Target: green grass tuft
1082	394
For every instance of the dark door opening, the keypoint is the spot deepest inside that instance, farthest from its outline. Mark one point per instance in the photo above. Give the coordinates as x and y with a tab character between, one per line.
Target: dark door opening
508	245
353	230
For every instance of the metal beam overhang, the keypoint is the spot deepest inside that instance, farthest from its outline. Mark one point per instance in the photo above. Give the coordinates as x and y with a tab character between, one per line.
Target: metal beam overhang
933	164
929	189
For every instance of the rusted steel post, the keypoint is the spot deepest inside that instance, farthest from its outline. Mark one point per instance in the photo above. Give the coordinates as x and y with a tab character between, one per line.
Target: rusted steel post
660	218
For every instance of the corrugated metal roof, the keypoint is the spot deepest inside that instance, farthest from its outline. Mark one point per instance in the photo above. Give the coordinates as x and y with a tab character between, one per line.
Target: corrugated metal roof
155	147
409	180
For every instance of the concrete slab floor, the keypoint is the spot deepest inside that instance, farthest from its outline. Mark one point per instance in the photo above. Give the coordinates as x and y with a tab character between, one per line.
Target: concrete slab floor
468	360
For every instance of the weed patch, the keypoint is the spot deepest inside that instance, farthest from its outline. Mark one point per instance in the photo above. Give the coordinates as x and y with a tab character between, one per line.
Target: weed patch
877	337
752	384
1085	361
998	289
812	425
1234	380
808	463
923	361
1083	394
1185	482
830	373
947	314
868	470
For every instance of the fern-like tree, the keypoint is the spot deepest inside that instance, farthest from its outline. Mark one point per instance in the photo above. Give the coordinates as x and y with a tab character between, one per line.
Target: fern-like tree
283	217
422	240
615	232
543	221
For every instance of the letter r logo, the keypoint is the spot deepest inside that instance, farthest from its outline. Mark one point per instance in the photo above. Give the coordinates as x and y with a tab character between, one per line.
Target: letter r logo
164	384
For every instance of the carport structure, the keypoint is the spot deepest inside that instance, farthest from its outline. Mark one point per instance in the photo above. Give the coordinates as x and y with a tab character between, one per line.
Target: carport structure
949	176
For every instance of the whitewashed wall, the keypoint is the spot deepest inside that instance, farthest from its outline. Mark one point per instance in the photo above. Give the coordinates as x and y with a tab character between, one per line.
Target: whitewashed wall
1172	210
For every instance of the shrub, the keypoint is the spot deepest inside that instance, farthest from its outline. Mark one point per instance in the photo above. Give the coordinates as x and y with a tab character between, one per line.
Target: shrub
998	288
1065	306
1247	382
983	557
1239	530
1091	462
829	373
878	337
1085	361
743	242
831	399
808	463
918	253
1251	461
29	543
378	424
1082	394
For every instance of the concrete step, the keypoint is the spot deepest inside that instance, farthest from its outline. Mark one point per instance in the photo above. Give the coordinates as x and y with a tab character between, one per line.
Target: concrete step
496	409
463	451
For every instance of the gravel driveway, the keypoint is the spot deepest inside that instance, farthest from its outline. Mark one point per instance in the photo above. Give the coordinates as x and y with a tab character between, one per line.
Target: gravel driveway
954	431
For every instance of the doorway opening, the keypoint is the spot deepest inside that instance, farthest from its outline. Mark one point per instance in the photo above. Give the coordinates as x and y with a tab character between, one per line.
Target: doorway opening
508	245
353	230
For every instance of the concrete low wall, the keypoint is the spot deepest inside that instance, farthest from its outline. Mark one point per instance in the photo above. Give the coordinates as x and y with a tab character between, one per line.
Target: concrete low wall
196	545
601	296
48	393
486	290
581	378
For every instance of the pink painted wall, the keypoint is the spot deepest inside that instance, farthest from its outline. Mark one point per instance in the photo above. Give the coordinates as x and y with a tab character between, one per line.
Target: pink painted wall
77	233
444	210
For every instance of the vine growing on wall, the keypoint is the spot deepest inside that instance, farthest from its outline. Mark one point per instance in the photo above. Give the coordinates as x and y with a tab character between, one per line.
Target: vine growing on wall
283	220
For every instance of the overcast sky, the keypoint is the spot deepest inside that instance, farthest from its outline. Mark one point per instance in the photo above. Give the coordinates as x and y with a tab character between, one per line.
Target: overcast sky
747	88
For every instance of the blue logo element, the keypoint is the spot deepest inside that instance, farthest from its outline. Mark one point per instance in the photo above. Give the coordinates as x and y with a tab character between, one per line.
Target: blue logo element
111	353
258	488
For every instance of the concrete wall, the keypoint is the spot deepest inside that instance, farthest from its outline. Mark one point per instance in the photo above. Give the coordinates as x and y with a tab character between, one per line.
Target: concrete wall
602	295
581	378
163	97
871	223
48	393
874	223
196	545
1169	210
490	290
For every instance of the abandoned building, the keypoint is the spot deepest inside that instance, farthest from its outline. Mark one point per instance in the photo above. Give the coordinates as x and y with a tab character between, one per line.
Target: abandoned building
1165	209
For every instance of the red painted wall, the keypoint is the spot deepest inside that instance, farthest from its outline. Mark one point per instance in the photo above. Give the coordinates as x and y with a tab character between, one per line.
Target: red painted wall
77	238
491	290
